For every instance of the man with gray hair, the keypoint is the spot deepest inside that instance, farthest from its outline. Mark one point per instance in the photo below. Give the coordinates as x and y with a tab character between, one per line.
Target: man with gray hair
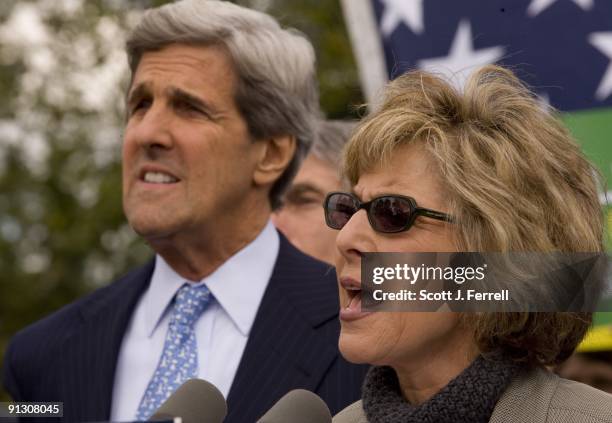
300	218
220	112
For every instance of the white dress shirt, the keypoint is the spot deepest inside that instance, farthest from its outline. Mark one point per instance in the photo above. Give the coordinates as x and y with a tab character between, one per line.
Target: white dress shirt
222	331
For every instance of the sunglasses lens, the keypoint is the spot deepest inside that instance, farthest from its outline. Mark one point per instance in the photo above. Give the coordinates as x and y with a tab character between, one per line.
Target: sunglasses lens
390	214
338	210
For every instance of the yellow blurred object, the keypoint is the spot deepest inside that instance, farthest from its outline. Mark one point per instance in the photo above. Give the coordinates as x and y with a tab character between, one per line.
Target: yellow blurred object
599	338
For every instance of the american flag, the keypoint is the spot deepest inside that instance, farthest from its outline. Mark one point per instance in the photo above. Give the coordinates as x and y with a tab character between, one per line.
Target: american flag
561	48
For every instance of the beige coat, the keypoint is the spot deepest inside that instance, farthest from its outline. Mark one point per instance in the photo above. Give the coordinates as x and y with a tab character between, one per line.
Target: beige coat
539	397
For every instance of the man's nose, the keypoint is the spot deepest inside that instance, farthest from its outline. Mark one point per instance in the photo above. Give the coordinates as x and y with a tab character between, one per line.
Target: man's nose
153	132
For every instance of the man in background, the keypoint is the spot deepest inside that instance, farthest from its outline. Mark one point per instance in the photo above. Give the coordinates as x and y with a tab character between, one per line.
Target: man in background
300	218
220	112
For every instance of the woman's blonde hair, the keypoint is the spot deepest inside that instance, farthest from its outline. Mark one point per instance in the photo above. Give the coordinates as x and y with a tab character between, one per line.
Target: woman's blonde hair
514	178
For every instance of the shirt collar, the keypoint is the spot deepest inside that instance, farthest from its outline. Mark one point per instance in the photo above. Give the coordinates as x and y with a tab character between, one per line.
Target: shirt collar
238	285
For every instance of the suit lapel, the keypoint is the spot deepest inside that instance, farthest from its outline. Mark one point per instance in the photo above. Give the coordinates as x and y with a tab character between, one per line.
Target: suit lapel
90	355
284	350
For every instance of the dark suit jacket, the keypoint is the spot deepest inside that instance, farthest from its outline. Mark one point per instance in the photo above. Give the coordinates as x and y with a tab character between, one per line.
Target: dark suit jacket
71	355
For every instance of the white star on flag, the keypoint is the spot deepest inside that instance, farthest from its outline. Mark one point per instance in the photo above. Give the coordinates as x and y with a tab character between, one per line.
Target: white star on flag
603	42
462	58
410	12
538	6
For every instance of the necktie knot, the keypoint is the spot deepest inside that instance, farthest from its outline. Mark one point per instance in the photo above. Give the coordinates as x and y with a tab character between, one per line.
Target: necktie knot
189	304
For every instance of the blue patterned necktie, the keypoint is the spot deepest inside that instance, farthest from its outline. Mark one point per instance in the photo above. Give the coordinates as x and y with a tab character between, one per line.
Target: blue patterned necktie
179	359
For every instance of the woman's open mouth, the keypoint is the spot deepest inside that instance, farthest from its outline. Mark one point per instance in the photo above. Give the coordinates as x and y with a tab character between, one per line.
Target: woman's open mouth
351	308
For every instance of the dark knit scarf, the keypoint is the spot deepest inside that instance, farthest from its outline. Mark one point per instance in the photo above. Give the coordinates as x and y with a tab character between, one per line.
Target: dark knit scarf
470	397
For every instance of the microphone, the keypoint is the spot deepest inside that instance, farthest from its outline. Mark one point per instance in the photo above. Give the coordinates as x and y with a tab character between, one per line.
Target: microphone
298	406
195	401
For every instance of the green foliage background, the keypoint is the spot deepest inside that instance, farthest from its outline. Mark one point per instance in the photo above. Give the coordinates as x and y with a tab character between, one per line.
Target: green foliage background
62	229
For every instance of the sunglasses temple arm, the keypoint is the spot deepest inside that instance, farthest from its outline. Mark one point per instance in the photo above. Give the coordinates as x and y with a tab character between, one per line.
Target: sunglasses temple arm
434	214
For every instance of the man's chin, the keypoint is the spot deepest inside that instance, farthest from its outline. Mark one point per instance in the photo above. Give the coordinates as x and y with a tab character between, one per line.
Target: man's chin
152	231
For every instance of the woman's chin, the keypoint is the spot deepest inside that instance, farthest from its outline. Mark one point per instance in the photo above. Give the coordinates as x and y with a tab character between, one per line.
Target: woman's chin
355	350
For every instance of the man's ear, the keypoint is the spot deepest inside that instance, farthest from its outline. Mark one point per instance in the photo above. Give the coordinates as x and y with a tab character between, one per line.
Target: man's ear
275	155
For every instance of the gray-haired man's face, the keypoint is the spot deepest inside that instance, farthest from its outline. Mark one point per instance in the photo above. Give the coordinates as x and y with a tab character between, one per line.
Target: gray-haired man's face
188	160
301	216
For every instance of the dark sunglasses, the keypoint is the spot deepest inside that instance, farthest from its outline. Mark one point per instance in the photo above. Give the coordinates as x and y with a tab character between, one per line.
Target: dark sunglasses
387	214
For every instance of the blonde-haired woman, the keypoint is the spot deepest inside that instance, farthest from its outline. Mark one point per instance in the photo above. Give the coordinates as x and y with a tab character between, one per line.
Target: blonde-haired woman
485	169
